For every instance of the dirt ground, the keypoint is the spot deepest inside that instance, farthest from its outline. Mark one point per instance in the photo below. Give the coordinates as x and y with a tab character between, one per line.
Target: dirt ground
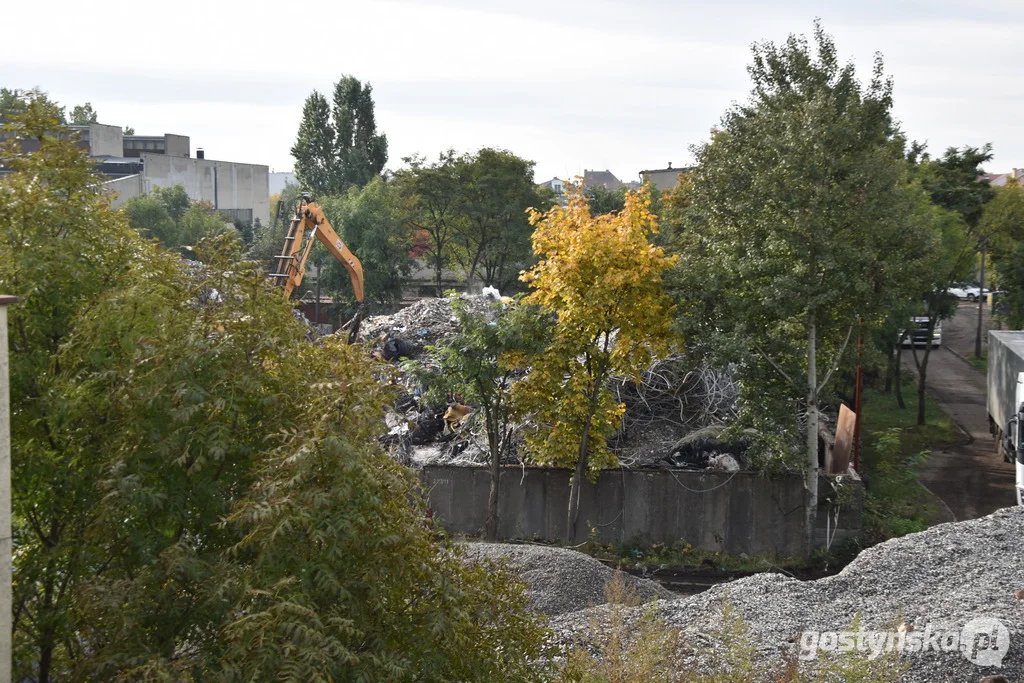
970	479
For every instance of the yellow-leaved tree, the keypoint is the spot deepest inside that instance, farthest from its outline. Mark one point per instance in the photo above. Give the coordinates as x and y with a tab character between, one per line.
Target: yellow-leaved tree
602	277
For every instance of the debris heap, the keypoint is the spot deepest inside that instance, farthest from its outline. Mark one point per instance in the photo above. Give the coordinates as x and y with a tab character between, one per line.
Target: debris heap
669	403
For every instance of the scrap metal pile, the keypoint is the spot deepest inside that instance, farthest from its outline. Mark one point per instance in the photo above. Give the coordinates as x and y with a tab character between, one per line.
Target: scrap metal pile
674	413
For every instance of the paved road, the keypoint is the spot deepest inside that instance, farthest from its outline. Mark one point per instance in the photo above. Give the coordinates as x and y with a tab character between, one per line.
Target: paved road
971	479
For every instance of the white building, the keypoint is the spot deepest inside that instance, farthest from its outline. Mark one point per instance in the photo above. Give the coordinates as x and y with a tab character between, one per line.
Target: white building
137	164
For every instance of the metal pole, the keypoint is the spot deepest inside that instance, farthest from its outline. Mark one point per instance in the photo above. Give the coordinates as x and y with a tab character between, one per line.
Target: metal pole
6	592
981	301
316	307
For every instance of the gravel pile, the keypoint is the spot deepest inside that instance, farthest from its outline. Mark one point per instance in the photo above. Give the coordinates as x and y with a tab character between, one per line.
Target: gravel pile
562	581
945	577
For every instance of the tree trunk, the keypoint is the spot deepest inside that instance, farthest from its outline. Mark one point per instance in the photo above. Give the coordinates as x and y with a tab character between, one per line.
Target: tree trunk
438	267
981	301
491	527
581	464
811	483
899	375
574	490
922	374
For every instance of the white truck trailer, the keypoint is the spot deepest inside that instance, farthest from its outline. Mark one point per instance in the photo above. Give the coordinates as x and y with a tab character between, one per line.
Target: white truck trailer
1005	399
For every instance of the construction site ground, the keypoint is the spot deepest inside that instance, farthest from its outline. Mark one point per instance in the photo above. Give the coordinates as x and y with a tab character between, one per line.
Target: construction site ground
969	479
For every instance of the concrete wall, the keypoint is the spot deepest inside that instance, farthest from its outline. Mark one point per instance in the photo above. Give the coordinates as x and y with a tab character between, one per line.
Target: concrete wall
105	140
238	186
177	145
736	513
124	189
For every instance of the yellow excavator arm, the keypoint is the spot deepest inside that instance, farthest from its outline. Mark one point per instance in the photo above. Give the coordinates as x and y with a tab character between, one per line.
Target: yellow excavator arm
291	264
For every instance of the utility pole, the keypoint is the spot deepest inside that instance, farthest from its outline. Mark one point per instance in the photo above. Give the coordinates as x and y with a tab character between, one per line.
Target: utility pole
6	546
981	300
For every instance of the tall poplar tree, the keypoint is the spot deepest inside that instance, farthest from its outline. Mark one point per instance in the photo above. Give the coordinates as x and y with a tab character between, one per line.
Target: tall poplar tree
800	209
338	146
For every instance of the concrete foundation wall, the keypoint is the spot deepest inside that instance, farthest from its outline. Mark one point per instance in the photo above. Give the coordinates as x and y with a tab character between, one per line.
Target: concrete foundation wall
735	513
238	186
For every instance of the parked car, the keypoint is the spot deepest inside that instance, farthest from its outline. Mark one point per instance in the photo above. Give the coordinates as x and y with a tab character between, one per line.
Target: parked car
967	292
917	333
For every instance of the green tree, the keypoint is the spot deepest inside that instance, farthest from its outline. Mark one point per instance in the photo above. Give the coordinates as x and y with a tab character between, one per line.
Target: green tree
82	114
371	221
955	185
268	240
497	189
338	146
360	151
480	364
433	196
795	205
168	215
314	146
602	200
63	248
602	278
150	217
199	494
14	101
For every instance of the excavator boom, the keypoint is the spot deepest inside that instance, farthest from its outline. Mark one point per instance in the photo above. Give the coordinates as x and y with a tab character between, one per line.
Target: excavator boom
291	266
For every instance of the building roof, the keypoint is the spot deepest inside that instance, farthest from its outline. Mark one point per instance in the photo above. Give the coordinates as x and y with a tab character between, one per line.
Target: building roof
682	169
604	178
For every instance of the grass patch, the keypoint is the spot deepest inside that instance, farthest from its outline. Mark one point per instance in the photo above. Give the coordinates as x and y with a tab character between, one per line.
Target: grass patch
638	554
893	449
980	363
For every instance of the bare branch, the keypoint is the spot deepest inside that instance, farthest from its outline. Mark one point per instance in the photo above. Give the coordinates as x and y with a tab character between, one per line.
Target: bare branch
774	364
835	363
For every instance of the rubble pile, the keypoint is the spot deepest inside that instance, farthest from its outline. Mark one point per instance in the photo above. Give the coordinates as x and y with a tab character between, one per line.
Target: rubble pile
935	581
561	581
425	323
671	401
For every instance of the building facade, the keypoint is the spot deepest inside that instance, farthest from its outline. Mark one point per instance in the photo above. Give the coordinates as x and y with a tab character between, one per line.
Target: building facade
137	164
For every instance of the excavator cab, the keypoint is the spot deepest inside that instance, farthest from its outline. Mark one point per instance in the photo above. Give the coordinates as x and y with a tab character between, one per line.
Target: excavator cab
291	263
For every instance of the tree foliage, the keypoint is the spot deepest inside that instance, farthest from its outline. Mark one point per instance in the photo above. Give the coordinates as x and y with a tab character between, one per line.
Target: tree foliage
433	195
480	364
82	114
602	277
959	194
338	147
797	224
168	215
470	213
199	493
497	190
371	221
602	200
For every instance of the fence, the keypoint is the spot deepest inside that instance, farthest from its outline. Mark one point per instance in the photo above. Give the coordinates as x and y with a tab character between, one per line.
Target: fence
733	512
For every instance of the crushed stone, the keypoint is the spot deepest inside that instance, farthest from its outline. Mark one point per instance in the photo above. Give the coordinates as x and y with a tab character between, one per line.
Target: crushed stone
944	576
562	581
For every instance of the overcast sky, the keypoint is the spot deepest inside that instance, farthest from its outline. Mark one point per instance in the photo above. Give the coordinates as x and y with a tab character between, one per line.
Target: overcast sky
598	84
